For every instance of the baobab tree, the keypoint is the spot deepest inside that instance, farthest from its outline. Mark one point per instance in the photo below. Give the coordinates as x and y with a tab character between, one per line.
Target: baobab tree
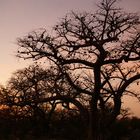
32	92
98	54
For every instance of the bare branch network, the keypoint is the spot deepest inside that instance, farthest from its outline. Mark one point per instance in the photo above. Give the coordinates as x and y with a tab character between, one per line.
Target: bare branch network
97	56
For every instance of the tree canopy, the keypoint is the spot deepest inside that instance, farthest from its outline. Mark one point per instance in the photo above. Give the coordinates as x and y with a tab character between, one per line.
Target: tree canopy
97	58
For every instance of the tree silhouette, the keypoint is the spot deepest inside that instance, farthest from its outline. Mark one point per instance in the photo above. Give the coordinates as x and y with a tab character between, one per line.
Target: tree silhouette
98	55
36	92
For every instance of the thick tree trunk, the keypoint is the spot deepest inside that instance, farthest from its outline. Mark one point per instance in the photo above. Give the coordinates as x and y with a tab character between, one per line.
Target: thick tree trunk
96	131
99	124
93	133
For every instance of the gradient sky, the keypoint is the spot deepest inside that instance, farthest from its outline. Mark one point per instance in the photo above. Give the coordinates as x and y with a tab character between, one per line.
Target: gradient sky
18	17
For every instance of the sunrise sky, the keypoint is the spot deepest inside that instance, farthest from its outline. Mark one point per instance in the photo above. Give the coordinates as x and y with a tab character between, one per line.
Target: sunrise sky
18	17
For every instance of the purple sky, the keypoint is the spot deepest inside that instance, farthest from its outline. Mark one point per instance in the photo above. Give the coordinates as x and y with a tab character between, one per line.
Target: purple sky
18	17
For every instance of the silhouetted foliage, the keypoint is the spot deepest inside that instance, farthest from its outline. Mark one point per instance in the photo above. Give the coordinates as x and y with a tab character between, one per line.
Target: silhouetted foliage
41	98
64	125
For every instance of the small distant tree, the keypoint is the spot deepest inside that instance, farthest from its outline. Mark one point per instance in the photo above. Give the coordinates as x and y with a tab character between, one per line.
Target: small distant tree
99	56
24	88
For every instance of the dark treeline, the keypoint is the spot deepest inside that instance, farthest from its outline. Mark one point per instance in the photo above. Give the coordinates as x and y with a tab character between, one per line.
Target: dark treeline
63	125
